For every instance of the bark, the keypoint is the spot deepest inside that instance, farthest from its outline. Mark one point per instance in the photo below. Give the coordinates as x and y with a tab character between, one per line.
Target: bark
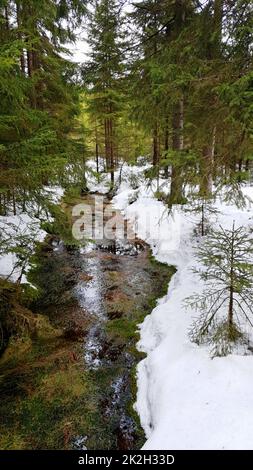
208	150
24	199
6	14
14	202
177	145
19	23
30	70
231	287
1	205
206	167
156	156
4	205
29	63
97	148
202	220
166	145
107	152
217	24
176	190
109	148
231	307
112	152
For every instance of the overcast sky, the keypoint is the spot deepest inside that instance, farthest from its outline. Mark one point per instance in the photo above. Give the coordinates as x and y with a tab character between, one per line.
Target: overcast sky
81	48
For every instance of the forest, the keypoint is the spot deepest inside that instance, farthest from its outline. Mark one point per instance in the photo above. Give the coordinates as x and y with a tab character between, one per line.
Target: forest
126	224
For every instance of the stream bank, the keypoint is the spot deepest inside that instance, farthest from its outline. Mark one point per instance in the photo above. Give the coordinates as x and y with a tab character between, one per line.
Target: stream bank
75	383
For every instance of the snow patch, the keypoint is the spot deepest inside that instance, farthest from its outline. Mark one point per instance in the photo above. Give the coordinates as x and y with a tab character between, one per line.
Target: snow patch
185	399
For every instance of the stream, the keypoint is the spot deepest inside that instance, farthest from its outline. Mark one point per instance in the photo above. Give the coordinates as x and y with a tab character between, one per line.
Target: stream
105	289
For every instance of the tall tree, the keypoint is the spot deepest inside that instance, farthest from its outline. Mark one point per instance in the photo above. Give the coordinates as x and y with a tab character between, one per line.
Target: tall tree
226	257
39	99
104	74
160	94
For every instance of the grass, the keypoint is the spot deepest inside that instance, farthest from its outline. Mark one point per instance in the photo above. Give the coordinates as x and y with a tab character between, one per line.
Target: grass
54	399
48	398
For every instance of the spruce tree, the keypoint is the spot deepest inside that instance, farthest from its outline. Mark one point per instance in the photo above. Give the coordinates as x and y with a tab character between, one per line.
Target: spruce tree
104	74
225	305
39	97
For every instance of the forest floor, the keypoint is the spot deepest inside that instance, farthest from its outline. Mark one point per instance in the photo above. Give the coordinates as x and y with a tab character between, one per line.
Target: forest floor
185	399
73	385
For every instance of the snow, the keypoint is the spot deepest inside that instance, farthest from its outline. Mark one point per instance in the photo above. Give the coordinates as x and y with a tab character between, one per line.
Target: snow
53	193
26	225
101	183
12	227
97	183
186	399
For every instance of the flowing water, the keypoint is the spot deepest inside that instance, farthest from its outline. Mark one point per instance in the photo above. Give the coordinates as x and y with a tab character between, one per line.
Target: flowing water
112	285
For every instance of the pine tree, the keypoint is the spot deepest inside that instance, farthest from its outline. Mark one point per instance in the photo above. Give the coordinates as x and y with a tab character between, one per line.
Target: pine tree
225	304
39	98
104	75
162	82
148	17
192	82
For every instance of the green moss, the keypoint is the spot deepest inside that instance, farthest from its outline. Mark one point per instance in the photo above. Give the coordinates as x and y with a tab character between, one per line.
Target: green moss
121	328
53	398
56	400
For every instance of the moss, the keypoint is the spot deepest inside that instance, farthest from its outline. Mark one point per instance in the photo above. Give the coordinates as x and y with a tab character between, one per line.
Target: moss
121	328
125	331
118	308
130	409
53	277
53	398
56	399
11	440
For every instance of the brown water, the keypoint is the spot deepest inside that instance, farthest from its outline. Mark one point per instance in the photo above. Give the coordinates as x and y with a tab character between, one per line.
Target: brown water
108	289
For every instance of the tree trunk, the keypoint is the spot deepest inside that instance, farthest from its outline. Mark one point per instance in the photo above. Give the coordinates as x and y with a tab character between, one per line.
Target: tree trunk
208	150
96	136
166	145
1	205
177	145
6	14
217	26
206	168
14	202
231	287
24	201
107	150
202	220
30	63
19	23
111	151
231	307
155	146
109	147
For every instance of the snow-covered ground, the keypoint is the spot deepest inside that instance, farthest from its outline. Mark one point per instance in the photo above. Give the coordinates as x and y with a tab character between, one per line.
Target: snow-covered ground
23	231
18	231
186	399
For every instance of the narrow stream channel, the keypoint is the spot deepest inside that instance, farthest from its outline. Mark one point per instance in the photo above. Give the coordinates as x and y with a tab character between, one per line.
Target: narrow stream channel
114	285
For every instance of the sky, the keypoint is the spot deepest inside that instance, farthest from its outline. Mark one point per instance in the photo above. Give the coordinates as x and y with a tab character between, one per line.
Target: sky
80	49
